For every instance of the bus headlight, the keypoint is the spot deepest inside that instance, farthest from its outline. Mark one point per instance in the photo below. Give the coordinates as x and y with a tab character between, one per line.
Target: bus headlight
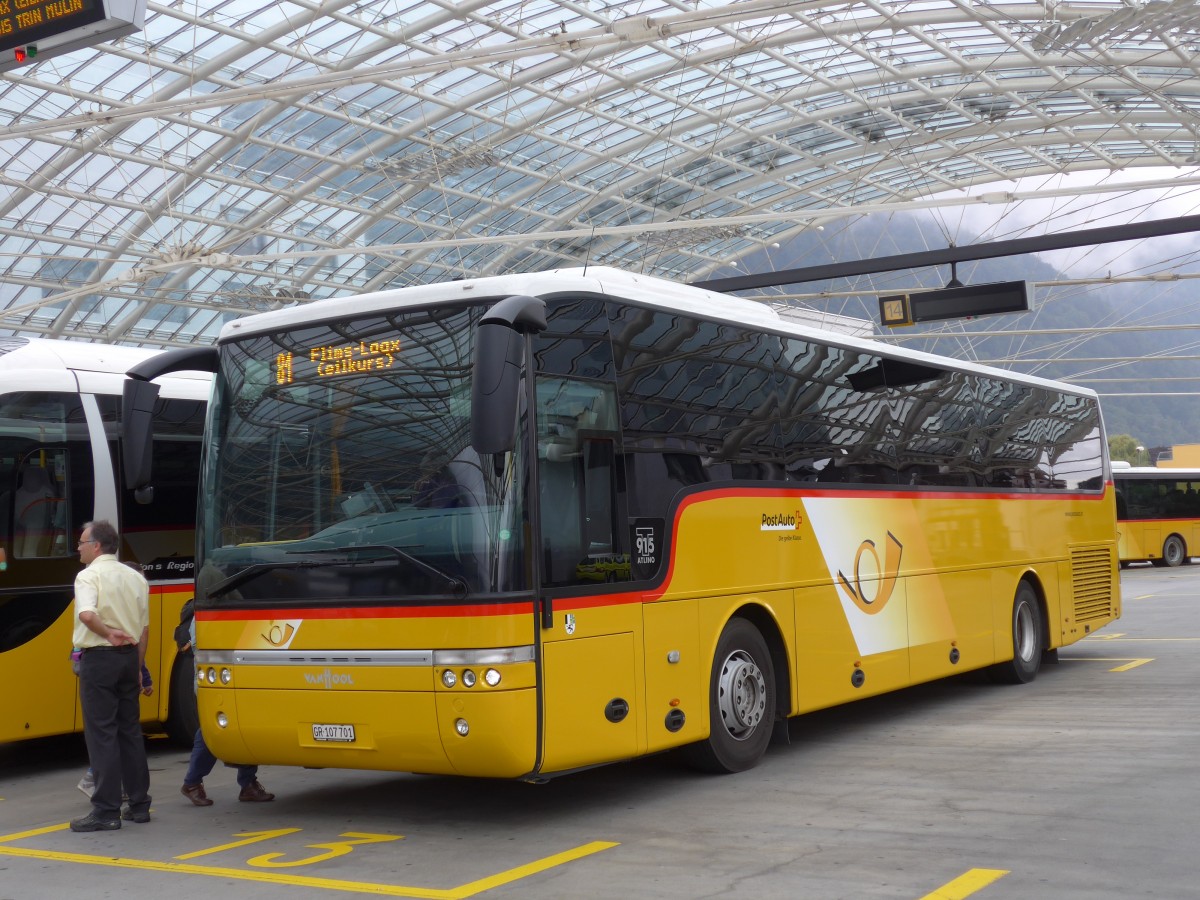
461	726
226	676
222	720
200	676
491	677
468	678
449	679
212	676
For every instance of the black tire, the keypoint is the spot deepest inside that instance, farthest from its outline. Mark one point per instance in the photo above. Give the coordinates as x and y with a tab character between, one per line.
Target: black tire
1174	553
183	718
741	703
1028	640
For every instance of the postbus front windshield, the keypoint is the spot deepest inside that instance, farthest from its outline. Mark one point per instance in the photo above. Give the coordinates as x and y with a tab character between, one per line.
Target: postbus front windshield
339	469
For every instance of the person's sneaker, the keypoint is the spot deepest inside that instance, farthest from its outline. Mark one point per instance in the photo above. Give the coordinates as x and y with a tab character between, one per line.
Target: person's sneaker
91	823
255	793
87	783
195	793
130	816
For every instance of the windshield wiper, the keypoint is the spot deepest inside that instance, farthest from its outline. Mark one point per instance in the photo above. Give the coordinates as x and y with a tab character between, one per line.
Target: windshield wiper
253	571
458	587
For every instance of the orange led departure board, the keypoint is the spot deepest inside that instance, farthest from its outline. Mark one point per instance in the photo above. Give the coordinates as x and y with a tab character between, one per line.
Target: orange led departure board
331	360
35	30
25	22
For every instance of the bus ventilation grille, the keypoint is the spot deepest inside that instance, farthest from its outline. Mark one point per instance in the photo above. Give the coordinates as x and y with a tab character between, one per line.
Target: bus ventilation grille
1092	579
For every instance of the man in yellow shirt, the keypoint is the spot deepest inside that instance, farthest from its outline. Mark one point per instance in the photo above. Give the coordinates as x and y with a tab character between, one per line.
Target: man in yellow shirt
112	620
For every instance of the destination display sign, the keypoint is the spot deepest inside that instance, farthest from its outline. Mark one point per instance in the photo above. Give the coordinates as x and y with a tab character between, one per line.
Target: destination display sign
334	360
32	31
26	22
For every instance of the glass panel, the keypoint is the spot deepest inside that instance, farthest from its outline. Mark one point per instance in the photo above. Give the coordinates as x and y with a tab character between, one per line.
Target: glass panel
581	466
39	434
40	505
46	493
699	403
340	466
582	521
1039	439
835	416
161	534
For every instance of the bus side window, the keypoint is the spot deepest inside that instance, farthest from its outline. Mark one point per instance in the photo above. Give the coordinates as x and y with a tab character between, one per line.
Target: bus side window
39	507
582	485
165	527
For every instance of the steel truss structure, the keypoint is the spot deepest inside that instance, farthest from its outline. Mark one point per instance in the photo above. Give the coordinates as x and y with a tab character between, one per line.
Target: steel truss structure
238	156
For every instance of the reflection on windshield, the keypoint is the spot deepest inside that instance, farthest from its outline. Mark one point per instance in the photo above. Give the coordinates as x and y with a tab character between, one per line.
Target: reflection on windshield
334	440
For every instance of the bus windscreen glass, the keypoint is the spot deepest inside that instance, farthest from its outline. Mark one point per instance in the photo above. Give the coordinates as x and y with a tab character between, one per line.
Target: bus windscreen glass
340	466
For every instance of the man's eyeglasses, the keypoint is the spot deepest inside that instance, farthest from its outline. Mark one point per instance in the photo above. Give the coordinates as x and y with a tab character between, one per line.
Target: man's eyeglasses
88	541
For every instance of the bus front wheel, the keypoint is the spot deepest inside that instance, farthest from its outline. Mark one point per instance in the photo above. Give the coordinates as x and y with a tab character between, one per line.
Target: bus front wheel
1026	638
183	718
741	704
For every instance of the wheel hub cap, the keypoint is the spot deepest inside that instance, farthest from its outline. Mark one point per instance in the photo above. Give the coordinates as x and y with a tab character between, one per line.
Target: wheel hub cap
742	695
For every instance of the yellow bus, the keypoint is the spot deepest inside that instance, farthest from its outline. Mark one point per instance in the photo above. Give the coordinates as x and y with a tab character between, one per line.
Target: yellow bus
59	444
1158	514
518	526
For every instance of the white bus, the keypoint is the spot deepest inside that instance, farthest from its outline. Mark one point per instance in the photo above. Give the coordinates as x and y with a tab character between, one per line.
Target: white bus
60	447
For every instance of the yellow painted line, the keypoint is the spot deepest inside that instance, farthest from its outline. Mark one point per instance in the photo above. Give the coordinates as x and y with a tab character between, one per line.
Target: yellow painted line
332	850
252	837
50	829
329	884
486	884
967	884
1107	637
1129	663
1132	664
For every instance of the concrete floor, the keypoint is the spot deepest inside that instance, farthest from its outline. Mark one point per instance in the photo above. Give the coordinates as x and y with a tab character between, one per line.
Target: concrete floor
1080	786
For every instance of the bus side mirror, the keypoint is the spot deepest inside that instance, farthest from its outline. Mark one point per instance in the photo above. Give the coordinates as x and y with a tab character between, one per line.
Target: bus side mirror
495	384
137	422
137	410
496	371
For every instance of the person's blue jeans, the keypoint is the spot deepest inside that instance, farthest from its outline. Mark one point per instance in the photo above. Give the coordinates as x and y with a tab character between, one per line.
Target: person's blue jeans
203	762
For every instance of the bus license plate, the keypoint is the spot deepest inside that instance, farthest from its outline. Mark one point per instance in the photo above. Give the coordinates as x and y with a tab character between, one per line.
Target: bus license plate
341	733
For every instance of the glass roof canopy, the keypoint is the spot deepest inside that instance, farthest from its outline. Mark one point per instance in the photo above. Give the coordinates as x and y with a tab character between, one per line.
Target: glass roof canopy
238	156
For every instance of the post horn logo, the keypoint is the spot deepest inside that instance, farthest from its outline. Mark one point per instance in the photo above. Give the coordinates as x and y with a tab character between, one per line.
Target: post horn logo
887	580
279	635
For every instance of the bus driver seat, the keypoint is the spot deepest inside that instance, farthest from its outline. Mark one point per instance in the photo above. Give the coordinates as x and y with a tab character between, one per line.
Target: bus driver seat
34	510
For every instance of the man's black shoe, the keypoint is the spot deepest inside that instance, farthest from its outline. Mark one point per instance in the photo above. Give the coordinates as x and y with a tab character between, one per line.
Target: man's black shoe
91	823
130	816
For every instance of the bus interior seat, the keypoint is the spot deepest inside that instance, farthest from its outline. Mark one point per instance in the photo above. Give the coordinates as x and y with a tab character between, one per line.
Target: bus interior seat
35	513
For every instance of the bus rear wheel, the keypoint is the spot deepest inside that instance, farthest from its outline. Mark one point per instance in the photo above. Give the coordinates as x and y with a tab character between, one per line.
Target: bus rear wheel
1174	553
1026	637
741	705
